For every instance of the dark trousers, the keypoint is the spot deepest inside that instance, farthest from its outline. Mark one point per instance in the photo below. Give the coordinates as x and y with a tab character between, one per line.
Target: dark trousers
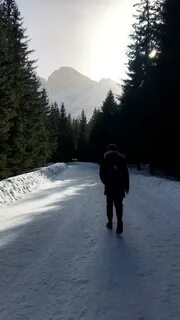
117	201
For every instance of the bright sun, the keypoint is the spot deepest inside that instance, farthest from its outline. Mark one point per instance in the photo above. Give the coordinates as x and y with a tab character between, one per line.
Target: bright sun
109	44
153	53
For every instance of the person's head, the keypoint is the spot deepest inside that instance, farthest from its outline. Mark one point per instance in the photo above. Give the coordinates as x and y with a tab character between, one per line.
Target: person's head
111	147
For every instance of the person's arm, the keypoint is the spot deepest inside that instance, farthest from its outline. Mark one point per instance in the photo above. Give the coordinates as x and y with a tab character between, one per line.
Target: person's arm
126	177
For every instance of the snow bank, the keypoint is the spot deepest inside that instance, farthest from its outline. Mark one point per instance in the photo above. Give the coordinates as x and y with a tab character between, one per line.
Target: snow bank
17	187
84	164
159	187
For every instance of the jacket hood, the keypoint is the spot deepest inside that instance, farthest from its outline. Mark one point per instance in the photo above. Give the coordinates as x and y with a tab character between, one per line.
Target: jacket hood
113	154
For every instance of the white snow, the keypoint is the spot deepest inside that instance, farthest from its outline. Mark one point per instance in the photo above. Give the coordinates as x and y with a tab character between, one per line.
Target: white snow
160	188
15	188
59	262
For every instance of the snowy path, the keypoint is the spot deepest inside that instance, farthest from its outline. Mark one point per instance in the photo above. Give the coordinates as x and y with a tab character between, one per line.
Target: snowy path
58	261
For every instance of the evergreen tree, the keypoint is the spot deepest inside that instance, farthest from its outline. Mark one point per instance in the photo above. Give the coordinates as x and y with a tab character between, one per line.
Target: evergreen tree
109	118
41	145
24	138
75	132
143	51
53	125
103	127
136	100
70	138
82	138
6	111
65	140
94	138
166	83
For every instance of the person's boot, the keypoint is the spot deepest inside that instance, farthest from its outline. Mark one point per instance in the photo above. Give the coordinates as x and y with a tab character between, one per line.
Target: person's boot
119	229
109	225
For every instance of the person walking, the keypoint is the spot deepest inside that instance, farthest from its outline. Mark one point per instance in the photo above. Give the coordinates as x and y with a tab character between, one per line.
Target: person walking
115	176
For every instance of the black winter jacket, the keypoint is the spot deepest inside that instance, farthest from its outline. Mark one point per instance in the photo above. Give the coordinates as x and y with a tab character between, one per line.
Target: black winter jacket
114	173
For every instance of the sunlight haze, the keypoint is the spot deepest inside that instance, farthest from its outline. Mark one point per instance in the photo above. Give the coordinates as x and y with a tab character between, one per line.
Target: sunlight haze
90	36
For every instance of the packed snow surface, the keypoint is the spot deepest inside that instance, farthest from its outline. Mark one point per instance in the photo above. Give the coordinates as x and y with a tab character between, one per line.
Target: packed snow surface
58	261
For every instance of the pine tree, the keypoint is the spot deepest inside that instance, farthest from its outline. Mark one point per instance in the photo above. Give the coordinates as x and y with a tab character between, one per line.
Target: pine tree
94	138
82	138
143	51
103	127
53	125
65	140
166	87
6	111
109	114
136	100
40	133
26	138
70	138
75	132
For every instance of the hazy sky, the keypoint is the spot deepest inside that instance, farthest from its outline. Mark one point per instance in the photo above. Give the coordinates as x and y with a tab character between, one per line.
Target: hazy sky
88	35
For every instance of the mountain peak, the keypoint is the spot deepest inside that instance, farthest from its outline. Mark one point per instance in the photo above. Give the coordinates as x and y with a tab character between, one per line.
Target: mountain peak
77	91
108	82
67	69
66	78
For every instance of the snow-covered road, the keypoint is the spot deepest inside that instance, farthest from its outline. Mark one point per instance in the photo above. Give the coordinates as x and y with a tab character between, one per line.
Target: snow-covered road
58	261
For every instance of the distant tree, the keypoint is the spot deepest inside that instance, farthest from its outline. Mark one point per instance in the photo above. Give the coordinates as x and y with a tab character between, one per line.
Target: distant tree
95	142
70	138
103	127
75	131
65	148
109	112
53	128
82	138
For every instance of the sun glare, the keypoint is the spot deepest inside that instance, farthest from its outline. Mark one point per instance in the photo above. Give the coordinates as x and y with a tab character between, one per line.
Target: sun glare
153	54
109	45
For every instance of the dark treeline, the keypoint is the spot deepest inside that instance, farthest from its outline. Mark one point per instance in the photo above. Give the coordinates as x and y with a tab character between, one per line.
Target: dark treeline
24	142
150	110
143	122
